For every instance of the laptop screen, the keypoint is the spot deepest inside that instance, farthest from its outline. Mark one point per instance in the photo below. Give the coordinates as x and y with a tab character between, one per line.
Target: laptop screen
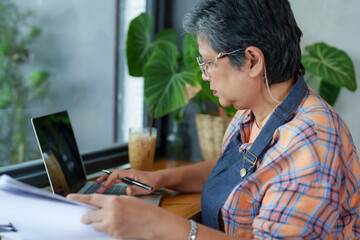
60	153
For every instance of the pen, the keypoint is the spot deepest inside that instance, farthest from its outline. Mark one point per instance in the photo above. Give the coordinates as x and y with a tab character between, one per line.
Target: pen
131	181
8	228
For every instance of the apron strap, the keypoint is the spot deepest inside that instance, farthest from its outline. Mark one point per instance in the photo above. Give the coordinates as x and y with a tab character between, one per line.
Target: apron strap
225	175
282	114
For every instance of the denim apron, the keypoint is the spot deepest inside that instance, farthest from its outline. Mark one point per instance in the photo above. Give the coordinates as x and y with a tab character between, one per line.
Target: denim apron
233	166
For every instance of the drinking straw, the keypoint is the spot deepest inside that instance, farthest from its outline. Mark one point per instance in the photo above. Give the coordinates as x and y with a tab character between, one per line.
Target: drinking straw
221	112
152	119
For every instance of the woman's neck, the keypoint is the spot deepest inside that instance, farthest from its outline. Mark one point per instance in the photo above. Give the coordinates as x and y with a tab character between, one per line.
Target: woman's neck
265	105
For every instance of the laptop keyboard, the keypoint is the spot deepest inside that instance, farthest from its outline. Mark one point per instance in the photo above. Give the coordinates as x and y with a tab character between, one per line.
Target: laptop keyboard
116	189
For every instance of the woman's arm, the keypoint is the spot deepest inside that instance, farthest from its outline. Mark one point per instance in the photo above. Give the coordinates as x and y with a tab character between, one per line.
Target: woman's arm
190	178
127	217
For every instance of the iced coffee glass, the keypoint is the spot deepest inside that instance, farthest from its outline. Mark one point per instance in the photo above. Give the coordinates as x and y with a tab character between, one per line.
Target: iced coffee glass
142	148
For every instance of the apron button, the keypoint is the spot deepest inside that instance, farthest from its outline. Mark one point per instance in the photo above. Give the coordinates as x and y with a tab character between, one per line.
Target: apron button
242	172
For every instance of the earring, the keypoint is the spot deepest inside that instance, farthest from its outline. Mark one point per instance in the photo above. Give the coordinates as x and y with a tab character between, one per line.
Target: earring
268	88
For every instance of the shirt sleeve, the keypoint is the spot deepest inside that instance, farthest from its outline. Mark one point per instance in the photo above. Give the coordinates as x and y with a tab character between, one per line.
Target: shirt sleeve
308	191
311	196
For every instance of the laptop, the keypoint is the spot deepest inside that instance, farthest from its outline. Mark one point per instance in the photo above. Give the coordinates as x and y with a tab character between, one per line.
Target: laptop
61	156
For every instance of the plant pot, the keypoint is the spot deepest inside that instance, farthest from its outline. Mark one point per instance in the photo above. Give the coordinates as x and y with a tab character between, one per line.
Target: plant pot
211	130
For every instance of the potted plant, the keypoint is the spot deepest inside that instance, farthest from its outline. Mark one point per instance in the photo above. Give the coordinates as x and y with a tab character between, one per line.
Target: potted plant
16	90
172	78
331	67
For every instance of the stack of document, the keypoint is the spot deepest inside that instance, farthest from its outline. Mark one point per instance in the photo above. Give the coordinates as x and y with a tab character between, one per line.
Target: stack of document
39	214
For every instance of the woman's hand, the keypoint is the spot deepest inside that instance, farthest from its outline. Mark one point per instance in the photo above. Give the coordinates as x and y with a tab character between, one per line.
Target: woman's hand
148	178
119	216
127	217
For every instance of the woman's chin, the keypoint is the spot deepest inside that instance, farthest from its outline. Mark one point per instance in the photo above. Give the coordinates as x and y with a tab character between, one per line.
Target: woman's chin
224	103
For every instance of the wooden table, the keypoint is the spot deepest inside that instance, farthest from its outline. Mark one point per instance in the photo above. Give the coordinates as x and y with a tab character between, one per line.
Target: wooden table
187	205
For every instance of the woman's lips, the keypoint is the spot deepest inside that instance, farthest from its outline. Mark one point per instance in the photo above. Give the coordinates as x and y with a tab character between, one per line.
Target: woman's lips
214	92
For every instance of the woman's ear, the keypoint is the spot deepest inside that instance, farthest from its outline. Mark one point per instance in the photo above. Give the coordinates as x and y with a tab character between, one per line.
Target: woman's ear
256	60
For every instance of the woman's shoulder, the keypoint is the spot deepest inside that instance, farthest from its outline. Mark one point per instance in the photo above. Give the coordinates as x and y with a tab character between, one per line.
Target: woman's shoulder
317	121
316	111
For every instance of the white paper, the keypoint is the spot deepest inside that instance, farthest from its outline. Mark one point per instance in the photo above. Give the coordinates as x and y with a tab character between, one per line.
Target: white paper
38	214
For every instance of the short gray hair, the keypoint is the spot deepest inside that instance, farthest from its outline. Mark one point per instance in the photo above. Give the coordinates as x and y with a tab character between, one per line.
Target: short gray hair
270	25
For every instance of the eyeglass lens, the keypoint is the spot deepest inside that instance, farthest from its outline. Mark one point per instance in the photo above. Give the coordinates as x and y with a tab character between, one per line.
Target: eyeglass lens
201	64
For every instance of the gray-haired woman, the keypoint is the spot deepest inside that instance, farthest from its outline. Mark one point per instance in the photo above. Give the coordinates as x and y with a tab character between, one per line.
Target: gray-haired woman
289	168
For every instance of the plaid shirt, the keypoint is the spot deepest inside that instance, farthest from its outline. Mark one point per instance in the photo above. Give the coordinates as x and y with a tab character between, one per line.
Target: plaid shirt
306	184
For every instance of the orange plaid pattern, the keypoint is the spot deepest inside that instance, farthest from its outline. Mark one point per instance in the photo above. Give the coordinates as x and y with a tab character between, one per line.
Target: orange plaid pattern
306	184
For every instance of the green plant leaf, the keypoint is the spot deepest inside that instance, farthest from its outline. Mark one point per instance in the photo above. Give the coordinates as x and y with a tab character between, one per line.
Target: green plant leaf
190	50
167	35
3	47
139	48
164	85
6	95
331	65
138	43
329	92
39	77
34	33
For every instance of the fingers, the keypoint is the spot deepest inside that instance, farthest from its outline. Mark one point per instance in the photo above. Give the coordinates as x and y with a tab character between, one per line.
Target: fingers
109	180
115	177
118	216
96	218
102	178
92	217
101	190
134	190
91	199
130	190
99	226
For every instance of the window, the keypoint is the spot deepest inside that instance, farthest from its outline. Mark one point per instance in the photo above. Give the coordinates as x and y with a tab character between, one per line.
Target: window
82	47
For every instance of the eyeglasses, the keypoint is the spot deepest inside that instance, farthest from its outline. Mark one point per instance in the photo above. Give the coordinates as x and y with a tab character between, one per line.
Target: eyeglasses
205	65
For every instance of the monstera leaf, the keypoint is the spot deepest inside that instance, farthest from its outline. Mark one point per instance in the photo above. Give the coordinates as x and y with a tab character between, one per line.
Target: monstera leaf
329	92
139	47
165	85
171	79
190	51
332	67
